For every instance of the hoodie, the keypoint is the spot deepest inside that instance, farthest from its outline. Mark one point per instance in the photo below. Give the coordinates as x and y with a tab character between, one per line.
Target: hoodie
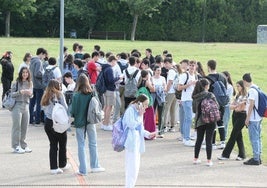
197	99
37	72
110	80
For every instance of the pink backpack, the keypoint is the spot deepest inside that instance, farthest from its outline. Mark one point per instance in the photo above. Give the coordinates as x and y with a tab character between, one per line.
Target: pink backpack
210	110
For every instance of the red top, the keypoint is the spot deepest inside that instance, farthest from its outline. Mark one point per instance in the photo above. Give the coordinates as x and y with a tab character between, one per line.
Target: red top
92	71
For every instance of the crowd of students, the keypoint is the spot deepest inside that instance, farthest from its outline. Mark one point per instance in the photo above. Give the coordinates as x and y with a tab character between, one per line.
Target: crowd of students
161	77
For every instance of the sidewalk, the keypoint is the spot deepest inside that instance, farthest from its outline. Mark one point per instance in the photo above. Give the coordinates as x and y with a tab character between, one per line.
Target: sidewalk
166	163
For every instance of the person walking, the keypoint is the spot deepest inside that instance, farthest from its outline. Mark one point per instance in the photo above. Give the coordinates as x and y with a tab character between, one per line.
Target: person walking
79	106
21	91
200	92
58	141
7	72
238	120
135	143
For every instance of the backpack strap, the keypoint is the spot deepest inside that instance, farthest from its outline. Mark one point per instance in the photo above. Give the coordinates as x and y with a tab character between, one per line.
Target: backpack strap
127	73
186	80
135	73
254	107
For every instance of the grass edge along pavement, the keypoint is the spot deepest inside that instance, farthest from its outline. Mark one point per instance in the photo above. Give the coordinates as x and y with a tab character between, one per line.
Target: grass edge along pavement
237	58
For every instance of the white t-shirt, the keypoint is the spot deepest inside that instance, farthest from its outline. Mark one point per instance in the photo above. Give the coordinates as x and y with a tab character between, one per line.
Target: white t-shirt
71	86
229	91
187	93
159	81
171	76
253	95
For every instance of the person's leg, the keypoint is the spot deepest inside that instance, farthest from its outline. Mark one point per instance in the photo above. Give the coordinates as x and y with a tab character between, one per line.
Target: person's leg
39	94
181	117
160	110
116	114
31	106
24	125
81	150
62	153
166	110
221	125
254	129
53	143
187	107
92	142
226	118
173	110
16	127
200	137
6	86
209	134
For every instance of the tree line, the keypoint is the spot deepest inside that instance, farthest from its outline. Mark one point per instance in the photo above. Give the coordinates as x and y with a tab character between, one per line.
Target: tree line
167	20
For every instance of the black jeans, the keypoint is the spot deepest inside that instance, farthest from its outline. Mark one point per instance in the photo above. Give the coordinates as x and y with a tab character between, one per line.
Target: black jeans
58	143
159	108
238	121
209	129
220	127
6	86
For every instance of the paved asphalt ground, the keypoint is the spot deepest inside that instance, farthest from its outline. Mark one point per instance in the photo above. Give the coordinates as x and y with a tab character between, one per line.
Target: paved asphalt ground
166	163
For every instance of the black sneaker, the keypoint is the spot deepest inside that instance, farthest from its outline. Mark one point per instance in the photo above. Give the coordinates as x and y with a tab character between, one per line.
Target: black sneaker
251	162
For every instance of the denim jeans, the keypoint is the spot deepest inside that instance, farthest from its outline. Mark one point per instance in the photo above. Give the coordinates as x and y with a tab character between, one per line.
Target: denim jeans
188	115
226	118
254	130
181	118
92	143
36	100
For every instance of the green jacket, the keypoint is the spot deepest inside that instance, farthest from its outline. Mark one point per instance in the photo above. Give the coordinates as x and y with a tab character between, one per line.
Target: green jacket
79	107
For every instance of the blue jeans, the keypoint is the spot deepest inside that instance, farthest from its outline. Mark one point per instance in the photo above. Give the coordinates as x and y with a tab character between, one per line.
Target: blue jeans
36	100
92	139
181	117
226	118
187	110
254	130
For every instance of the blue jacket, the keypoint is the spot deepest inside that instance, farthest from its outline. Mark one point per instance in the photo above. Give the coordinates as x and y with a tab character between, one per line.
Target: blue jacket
110	80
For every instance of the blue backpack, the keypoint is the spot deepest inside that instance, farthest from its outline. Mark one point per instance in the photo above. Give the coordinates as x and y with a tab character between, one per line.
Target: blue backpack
219	90
100	83
262	105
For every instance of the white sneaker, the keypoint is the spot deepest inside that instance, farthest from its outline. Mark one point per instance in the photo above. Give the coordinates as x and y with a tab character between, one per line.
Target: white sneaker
108	128
172	130
56	171
19	150
99	169
189	143
81	174
68	166
196	161
102	126
222	145
222	158
209	163
27	150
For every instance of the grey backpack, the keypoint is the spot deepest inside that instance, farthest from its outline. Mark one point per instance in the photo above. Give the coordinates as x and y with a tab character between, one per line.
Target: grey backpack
94	112
130	84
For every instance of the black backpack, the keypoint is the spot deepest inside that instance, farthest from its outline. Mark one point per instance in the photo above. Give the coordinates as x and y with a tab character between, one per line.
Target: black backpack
100	83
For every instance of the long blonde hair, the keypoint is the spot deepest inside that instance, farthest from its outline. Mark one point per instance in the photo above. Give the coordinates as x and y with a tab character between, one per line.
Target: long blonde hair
52	90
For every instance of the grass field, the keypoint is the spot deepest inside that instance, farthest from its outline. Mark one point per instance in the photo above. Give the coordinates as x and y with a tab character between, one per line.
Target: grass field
237	58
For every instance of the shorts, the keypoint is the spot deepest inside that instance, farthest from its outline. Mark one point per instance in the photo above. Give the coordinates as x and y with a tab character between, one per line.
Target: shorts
109	98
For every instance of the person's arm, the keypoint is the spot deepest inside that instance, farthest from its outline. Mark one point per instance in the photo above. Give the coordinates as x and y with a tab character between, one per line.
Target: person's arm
38	70
250	109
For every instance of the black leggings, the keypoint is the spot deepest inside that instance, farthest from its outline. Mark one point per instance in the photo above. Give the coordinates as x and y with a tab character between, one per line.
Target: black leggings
209	129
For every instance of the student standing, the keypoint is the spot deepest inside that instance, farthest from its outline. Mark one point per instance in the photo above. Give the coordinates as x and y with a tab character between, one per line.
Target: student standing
21	91
58	141
253	121
7	72
135	143
200	92
79	106
238	119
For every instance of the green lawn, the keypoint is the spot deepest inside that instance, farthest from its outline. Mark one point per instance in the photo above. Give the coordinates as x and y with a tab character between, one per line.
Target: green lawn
236	58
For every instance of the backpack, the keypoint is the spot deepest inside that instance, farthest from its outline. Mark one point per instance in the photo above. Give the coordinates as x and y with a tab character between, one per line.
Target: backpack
48	75
60	118
8	101
178	93
219	90
100	83
122	66
131	84
94	112
144	91
119	135
210	110
68	97
262	103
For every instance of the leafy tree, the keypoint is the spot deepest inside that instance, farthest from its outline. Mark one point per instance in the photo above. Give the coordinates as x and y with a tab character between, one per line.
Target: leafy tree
140	7
9	6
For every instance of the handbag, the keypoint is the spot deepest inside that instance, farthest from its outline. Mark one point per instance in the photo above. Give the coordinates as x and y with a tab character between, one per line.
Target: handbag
9	101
